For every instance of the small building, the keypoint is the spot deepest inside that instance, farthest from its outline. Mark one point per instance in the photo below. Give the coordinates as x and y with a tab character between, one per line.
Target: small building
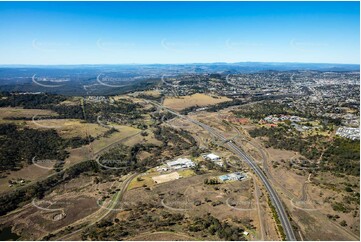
236	176
212	157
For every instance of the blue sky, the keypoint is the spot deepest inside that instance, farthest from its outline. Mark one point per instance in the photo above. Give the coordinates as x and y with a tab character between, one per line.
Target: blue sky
178	32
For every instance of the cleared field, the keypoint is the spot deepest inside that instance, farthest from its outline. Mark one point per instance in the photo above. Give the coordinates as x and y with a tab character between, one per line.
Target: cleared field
186	173
181	103
153	93
125	132
166	177
27	113
28	173
68	128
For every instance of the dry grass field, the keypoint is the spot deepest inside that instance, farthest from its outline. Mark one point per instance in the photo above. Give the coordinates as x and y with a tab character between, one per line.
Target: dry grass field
180	103
42	213
166	177
68	128
26	113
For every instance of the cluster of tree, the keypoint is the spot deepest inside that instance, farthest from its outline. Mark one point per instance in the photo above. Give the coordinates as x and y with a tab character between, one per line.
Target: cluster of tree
341	156
211	181
220	106
215	107
179	140
14	199
76	142
281	138
157	98
30	101
123	159
262	110
164	116
22	145
213	226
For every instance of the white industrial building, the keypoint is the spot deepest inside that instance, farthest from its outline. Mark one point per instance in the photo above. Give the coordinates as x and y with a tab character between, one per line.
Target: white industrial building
180	163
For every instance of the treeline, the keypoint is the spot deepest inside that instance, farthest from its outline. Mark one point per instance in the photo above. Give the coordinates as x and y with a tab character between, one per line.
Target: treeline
22	145
220	106
215	107
29	101
18	146
15	199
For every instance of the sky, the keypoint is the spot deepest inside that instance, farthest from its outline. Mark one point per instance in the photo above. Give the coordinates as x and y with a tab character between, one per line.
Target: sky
50	33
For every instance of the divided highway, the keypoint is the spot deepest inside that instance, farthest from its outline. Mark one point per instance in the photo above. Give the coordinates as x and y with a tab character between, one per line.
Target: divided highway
287	227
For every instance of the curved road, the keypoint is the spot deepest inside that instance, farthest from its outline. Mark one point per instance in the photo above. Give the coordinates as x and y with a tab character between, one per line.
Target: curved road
287	227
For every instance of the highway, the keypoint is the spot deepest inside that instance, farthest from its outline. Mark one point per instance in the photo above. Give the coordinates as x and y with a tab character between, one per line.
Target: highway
287	227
